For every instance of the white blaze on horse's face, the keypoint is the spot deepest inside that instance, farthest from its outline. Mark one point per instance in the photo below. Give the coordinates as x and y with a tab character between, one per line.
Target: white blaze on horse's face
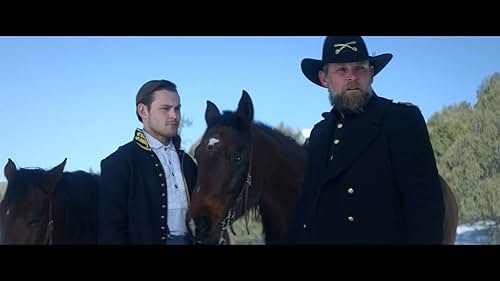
212	142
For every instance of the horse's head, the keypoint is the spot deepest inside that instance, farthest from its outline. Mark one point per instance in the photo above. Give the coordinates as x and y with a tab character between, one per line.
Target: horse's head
224	156
25	210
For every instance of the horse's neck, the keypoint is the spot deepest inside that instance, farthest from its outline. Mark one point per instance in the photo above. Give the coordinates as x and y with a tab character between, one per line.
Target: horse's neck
275	180
58	216
275	211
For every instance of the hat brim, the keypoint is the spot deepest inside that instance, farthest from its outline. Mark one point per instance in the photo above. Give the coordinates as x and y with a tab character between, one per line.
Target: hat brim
310	67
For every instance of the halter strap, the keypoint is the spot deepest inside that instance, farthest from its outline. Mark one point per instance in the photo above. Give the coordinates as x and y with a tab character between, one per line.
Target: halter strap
50	226
243	195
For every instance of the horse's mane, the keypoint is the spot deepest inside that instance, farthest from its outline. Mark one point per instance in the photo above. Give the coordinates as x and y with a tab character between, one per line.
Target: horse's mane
231	119
80	205
278	135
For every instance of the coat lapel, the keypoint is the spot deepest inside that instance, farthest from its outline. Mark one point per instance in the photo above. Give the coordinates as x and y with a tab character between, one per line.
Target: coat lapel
360	133
323	143
353	146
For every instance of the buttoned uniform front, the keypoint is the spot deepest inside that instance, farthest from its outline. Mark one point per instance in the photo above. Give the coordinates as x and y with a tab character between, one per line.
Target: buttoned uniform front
370	178
132	201
176	193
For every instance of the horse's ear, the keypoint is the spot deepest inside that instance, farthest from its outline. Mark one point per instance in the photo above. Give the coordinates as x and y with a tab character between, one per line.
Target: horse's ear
245	108
55	175
9	170
211	113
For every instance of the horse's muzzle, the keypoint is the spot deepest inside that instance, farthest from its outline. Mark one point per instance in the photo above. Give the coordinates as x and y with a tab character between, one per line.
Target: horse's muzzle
199	229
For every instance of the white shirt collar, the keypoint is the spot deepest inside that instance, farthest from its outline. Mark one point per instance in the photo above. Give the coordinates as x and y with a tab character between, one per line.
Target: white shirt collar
156	144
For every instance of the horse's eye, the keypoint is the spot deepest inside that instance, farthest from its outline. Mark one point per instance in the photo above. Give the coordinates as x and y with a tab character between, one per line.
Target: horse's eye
235	158
210	147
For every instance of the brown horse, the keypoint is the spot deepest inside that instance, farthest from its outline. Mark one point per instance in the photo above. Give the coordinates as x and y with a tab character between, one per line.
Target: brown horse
244	165
450	213
48	207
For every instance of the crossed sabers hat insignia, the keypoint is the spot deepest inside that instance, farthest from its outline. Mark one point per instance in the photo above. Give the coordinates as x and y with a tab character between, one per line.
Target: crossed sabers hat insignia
340	47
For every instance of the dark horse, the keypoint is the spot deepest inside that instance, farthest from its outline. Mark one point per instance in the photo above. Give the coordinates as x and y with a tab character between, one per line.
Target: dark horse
243	165
48	207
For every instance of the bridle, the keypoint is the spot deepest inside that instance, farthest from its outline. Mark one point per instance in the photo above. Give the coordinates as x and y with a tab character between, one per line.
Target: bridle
49	233
240	203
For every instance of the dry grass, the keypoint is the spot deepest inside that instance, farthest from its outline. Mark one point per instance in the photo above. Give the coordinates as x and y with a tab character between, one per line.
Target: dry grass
243	237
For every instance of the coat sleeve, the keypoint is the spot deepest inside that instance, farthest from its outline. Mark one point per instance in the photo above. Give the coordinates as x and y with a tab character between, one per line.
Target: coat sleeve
416	177
295	231
112	202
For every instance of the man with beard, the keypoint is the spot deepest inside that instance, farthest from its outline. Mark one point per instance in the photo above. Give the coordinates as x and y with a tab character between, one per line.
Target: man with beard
371	176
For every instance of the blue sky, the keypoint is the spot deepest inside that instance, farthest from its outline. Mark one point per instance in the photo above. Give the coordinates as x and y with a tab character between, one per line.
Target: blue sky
74	97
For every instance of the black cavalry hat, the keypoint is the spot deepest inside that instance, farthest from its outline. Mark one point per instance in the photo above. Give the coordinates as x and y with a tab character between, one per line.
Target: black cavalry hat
342	49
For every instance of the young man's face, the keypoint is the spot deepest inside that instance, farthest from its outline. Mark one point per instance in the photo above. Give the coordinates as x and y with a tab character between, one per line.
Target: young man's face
162	118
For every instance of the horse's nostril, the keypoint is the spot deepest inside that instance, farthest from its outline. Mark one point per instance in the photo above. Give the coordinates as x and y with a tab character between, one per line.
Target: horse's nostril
205	222
202	225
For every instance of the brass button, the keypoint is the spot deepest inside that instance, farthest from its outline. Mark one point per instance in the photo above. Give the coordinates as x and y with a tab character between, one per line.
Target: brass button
336	141
305	225
161	175
350	190
339	125
163	238
162	185
163	194
350	218
156	164
152	155
162	227
162	217
331	157
163	206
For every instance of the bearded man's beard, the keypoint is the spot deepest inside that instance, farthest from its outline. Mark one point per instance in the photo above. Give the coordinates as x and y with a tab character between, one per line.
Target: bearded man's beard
350	102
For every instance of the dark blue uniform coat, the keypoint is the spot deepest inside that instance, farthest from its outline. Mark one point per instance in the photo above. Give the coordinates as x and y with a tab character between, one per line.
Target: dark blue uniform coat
132	202
370	178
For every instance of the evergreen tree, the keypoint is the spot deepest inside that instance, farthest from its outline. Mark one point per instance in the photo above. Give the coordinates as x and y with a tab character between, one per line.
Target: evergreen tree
467	147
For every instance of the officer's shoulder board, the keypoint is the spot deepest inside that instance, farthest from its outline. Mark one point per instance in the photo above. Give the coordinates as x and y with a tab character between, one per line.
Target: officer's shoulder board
406	104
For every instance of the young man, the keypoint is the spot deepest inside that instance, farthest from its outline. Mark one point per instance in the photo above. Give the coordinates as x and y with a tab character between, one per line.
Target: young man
145	184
